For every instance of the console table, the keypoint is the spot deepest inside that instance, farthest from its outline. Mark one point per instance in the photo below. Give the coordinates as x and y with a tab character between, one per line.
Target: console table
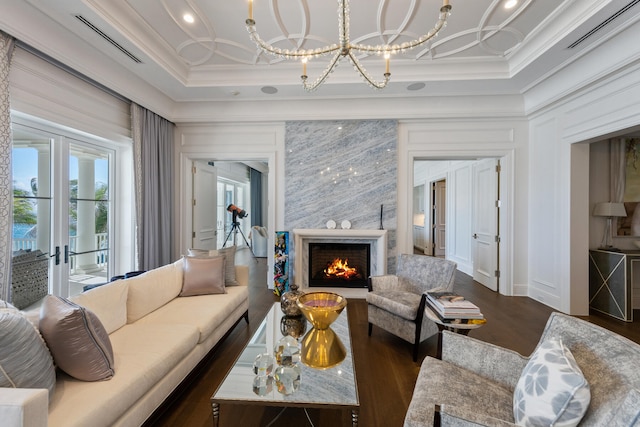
611	278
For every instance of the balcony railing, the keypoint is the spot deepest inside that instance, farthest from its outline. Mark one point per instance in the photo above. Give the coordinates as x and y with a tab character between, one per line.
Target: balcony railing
102	255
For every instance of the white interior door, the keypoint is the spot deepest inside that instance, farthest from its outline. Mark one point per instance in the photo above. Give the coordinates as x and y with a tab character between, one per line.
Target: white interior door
485	237
439	218
205	188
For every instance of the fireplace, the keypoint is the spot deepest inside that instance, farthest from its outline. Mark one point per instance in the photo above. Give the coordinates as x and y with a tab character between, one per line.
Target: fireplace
344	265
303	237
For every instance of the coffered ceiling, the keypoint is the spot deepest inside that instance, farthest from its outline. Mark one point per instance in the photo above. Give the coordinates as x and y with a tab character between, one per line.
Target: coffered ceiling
486	48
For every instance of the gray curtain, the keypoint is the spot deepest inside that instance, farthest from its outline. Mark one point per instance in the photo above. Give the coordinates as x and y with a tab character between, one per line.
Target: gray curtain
153	161
255	178
6	184
617	160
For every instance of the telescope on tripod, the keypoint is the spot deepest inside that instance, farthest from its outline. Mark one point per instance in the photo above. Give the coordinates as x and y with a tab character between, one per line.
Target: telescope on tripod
236	213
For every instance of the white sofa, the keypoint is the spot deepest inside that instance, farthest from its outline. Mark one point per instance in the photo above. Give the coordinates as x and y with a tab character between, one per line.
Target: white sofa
158	338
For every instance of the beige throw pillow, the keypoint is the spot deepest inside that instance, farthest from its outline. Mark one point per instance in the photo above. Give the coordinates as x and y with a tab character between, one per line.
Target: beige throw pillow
230	255
78	342
203	276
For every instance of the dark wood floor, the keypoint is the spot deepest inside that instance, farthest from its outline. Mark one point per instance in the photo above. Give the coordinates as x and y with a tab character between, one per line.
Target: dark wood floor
385	370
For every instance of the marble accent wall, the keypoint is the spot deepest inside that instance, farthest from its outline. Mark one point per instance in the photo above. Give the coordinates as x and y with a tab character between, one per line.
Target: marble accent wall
342	170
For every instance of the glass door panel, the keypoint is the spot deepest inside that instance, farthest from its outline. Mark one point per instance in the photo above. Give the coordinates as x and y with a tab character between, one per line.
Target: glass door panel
31	171
89	216
229	199
221	208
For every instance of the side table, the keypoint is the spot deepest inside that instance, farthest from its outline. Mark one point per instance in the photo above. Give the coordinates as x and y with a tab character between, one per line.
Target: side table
459	328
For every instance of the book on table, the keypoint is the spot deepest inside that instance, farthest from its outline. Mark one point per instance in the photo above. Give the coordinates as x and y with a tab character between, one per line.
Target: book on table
450	306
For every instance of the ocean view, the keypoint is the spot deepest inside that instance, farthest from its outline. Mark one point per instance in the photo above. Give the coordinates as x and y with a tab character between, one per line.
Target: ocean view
20	230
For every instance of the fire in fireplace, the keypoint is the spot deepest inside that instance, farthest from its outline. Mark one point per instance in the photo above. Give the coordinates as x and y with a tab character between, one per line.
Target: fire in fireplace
345	265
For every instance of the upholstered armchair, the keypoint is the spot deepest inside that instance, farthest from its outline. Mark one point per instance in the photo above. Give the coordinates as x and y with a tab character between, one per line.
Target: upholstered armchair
396	302
481	384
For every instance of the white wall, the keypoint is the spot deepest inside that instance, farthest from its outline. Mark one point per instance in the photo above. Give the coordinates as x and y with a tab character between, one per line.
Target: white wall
592	99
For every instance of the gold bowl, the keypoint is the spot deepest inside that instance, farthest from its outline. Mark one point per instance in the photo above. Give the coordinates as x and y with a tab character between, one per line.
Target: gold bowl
321	308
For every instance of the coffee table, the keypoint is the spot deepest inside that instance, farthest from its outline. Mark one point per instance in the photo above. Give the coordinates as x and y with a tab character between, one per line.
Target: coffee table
333	388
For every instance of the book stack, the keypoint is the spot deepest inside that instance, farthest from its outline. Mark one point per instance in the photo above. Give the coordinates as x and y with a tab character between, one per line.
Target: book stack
453	308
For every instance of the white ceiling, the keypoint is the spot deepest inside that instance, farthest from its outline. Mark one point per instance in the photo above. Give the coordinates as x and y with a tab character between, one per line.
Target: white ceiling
485	48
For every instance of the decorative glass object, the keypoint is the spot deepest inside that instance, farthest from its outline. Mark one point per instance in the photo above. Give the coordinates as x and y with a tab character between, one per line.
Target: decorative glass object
263	365
262	385
287	351
287	378
294	326
289	301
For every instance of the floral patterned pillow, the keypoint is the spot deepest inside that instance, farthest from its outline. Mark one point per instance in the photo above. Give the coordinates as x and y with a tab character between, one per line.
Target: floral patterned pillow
551	391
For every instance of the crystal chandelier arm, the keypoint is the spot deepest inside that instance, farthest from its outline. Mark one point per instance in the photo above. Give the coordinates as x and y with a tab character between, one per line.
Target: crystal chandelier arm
286	53
445	11
367	77
309	87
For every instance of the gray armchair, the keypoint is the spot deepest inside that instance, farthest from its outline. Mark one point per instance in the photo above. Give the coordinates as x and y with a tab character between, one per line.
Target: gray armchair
473	385
396	302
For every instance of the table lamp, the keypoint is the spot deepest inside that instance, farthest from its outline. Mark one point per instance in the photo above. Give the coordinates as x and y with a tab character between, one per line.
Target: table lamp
608	210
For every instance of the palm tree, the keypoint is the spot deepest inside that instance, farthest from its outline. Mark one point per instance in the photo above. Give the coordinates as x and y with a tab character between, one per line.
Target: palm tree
23	208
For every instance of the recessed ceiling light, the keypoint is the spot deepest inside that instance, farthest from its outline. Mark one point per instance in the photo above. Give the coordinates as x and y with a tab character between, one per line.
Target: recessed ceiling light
509	4
416	86
269	90
188	18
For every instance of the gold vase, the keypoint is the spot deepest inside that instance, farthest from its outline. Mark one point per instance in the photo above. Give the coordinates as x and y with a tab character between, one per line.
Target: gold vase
322	349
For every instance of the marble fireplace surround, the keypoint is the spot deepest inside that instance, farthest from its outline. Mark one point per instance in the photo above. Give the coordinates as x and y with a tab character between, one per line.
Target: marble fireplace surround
303	236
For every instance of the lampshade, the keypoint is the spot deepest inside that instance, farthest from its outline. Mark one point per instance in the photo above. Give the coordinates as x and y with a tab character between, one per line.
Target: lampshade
609	209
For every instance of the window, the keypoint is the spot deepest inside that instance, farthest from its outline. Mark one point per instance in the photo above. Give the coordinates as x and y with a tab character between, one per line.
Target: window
64	210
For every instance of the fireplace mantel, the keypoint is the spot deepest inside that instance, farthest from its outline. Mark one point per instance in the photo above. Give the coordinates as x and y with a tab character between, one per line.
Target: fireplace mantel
302	237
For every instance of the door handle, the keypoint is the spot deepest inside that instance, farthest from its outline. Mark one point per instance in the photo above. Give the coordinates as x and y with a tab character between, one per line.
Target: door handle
475	235
56	255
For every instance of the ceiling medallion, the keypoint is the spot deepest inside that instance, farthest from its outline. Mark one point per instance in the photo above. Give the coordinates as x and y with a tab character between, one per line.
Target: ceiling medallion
345	47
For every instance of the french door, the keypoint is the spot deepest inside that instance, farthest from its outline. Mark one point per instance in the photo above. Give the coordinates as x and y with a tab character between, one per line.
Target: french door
62	207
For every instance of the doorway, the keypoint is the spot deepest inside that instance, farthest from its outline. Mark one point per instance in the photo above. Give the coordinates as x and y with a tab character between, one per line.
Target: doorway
217	186
463	214
438	217
63	211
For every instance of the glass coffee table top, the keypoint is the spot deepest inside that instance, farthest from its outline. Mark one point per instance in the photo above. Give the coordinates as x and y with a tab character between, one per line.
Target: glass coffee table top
332	387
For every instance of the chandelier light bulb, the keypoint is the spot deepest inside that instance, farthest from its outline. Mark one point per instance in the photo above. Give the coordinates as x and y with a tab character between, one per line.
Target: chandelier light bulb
345	48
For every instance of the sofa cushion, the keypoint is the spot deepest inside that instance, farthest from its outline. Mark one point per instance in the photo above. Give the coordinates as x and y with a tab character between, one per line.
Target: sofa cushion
552	389
206	312
404	304
144	355
202	276
230	255
151	290
79	343
25	361
108	302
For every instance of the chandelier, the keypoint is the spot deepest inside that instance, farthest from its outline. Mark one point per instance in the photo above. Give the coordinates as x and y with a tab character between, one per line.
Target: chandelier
345	48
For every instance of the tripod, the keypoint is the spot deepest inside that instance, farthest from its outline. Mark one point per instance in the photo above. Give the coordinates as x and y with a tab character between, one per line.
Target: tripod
234	229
